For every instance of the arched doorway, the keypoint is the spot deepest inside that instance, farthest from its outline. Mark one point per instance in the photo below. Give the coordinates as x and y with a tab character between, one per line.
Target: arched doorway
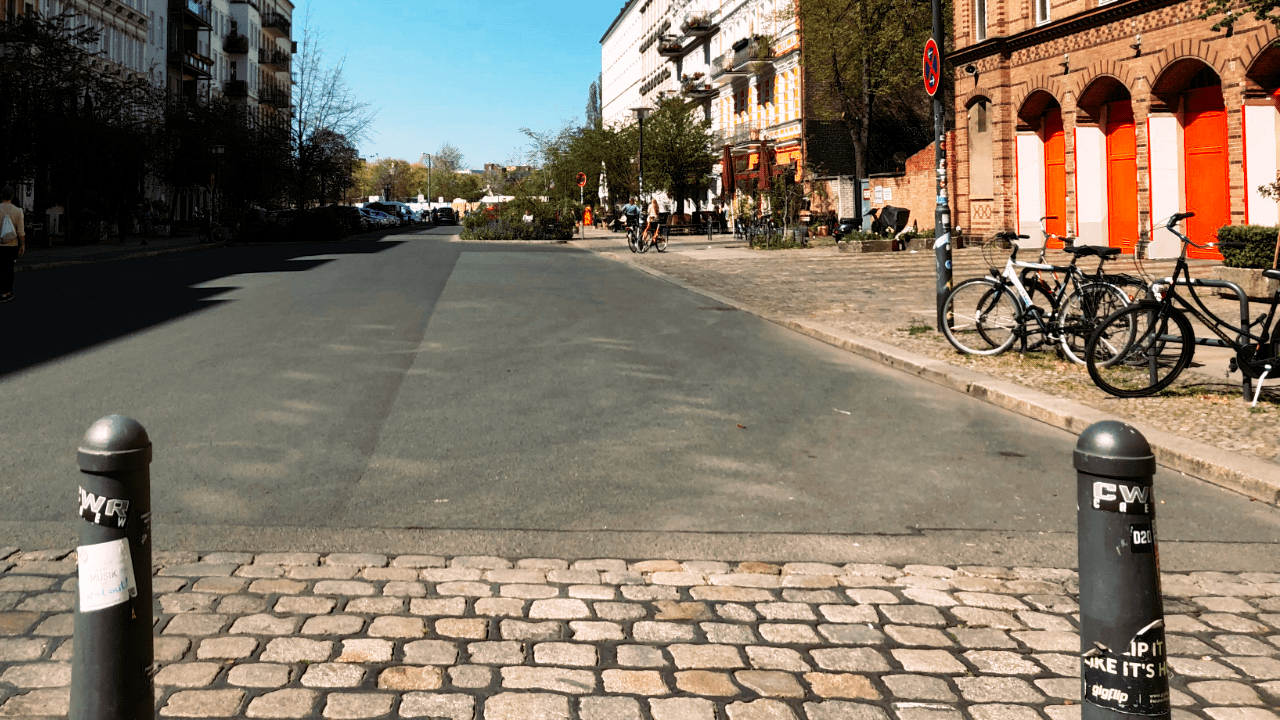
1205	154
1055	174
1122	171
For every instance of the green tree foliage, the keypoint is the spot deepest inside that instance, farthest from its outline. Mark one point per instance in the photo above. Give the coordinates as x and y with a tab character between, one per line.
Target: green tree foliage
677	151
571	150
866	54
1232	10
323	106
85	137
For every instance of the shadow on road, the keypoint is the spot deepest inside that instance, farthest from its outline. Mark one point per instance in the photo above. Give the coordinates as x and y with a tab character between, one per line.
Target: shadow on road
62	311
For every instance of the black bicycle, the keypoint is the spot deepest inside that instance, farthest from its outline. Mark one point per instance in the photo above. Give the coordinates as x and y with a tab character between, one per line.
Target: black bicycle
1141	349
633	236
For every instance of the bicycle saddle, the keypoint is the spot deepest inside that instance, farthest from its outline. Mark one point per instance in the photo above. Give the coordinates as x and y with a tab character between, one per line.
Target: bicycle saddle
1092	250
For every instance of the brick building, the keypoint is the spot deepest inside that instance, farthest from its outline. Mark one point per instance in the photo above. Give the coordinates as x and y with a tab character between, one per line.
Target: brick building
1112	116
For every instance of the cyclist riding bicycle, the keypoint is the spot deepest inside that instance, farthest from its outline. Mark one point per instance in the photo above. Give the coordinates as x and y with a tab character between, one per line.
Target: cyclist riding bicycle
631	213
651	227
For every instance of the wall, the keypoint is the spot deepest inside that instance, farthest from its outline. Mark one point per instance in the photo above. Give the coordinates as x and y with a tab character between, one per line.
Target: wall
915	188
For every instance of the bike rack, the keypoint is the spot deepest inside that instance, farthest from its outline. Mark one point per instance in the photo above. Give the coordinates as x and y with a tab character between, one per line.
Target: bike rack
1247	382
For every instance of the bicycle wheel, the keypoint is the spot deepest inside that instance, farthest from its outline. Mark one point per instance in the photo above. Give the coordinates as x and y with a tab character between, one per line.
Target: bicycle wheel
1083	311
643	243
979	317
632	242
1139	350
660	241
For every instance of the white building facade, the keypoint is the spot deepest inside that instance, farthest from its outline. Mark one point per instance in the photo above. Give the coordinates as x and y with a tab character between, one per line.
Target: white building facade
736	61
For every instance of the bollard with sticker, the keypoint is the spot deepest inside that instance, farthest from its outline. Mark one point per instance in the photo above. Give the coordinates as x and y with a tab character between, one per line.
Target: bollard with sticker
112	663
1123	670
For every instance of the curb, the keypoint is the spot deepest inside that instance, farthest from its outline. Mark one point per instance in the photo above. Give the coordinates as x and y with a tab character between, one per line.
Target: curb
130	256
1256	478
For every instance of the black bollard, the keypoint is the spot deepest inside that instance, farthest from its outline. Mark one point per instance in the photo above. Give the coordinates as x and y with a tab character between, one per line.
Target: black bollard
1123	666
111	669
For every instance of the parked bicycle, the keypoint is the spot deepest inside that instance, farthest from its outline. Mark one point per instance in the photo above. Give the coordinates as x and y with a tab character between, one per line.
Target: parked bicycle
1142	349
985	316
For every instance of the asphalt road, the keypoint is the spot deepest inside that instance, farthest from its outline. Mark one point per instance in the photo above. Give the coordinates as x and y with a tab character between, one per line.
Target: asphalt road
418	392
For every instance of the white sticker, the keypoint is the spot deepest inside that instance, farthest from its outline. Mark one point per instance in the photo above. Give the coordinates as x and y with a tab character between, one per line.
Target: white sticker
106	575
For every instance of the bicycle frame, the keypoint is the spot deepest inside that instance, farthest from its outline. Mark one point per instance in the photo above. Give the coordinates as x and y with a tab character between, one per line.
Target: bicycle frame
1012	277
1223	329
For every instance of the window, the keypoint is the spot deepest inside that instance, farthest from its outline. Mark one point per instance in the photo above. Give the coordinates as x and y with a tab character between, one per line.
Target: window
764	90
1042	11
981	167
979	19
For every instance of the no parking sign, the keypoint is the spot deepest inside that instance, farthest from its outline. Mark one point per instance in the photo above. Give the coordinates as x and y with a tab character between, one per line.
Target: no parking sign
932	67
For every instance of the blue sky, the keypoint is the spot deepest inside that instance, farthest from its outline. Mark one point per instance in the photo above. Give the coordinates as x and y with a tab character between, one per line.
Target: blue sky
470	73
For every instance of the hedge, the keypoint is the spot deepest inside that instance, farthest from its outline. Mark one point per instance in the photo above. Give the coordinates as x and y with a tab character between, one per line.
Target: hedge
1260	241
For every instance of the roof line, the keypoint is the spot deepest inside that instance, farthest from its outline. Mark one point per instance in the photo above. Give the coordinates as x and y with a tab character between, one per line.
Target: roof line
625	7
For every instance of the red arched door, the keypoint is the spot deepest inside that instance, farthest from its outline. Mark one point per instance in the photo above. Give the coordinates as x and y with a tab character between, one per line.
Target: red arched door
1204	144
1122	177
1055	175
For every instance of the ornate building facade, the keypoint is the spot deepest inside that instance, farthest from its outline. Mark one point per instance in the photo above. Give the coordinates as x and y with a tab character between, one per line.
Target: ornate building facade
1109	117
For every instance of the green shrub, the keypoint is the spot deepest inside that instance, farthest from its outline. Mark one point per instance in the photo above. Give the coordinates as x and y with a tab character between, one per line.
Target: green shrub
507	222
1260	241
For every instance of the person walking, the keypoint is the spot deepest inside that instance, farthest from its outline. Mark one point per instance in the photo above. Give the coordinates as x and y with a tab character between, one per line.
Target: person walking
13	241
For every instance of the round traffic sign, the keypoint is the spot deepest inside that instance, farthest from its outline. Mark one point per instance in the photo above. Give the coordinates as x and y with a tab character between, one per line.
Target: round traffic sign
582	179
932	67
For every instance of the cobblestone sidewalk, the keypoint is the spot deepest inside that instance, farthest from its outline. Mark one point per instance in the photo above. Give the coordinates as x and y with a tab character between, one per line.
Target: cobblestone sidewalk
890	297
298	635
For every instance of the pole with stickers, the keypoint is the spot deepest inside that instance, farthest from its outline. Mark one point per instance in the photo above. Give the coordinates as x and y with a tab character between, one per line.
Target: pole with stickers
1123	666
112	664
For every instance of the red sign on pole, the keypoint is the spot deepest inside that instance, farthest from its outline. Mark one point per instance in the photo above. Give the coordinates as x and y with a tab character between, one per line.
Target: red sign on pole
932	67
582	179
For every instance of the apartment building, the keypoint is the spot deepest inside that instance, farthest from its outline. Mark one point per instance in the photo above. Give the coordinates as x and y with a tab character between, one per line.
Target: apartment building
1110	116
738	62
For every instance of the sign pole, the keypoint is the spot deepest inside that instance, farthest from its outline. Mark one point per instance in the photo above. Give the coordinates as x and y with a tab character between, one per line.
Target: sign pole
942	212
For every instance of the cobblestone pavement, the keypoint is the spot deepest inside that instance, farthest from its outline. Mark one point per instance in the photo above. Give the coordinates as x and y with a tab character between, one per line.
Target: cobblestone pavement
890	297
295	635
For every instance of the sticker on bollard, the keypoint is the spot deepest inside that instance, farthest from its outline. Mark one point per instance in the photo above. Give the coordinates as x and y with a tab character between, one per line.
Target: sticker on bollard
1121	498
1135	682
104	511
105	575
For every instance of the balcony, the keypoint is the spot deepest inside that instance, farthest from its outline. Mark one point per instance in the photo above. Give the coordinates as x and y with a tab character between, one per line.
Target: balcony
191	63
276	23
235	44
669	46
752	55
274	58
193	12
274	96
723	70
697	88
236	88
697	25
251	3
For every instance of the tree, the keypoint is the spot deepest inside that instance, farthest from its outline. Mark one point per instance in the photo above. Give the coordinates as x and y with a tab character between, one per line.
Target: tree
594	116
862	52
448	159
322	102
85	138
1233	10
677	153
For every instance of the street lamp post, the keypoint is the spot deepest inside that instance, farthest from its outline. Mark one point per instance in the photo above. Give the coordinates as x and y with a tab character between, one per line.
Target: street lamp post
641	113
217	151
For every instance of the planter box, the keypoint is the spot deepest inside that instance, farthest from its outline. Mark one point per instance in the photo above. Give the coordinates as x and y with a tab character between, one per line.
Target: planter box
1256	287
867	246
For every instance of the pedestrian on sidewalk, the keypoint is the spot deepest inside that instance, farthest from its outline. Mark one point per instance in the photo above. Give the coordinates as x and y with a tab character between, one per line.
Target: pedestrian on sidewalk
124	221
13	241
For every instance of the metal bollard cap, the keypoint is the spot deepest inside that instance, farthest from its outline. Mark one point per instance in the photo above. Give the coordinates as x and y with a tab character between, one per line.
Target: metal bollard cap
114	443
1114	449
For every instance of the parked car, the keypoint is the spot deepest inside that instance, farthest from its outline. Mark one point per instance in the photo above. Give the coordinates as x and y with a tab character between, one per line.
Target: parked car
383	219
444	215
353	218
